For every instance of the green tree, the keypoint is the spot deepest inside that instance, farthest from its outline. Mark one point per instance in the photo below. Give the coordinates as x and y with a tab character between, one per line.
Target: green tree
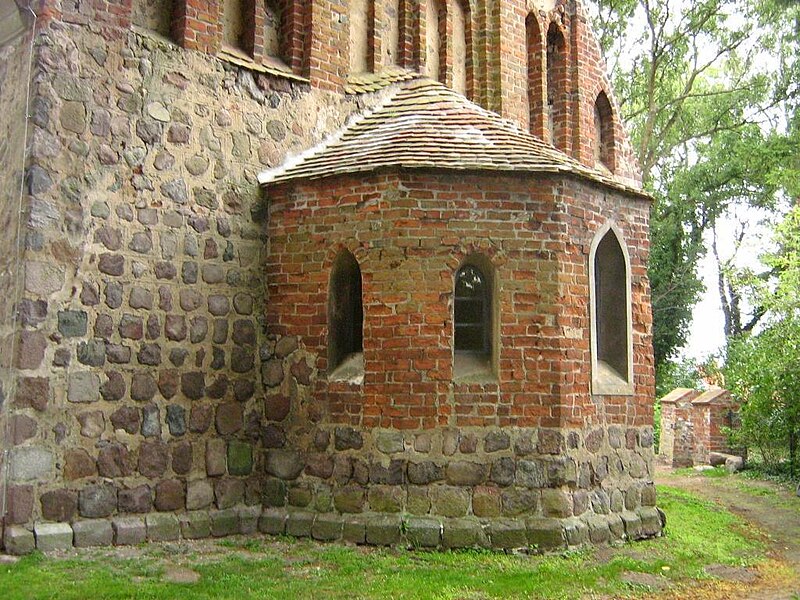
763	373
698	108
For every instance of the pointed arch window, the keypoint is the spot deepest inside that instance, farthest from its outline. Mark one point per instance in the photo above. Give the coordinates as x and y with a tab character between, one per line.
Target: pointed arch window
604	132
435	33
610	289
274	30
345	319
557	75
474	322
536	84
362	14
237	27
462	61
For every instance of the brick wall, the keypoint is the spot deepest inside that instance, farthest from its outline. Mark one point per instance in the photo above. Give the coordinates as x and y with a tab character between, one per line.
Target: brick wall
409	233
693	425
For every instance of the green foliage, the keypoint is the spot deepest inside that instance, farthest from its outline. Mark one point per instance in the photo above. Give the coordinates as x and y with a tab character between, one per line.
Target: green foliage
763	373
703	89
699	534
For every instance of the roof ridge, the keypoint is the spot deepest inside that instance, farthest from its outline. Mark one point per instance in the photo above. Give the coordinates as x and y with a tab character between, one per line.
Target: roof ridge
421	123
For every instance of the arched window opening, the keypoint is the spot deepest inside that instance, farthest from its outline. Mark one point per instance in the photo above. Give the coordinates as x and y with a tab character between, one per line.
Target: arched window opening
473	319
360	31
153	15
345	319
535	81
435	29
611	316
556	116
236	27
603	132
273	30
460	46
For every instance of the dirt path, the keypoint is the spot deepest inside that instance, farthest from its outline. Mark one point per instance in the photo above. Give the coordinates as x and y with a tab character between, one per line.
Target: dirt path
774	511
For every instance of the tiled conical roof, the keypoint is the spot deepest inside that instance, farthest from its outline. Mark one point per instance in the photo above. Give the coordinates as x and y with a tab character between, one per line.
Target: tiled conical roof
425	125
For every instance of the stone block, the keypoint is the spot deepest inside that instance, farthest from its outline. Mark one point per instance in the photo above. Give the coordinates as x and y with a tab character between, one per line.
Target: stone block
496	440
274	492
18	541
520	501
734	464
299	524
599	533
129	531
135	500
465	473
531	474
83	387
423	532
508	534
170	495
616	526
229	492
59	505
285	464
30	463
486	502
651	520
53	536
163	527
216	454
97	532
199	494
389	441
544	534
576	532
503	471
240	458
354	530
327	528
224	522
632	524
447	501
386	498
20	503
248	519
195	525
96	501
463	533
424	473
384	530
272	521
556	503
349	499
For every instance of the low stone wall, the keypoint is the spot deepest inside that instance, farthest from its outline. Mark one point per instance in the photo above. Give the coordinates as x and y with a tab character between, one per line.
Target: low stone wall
534	534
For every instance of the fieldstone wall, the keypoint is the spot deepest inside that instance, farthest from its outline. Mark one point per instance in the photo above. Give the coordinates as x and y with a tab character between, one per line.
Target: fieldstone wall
15	62
170	376
140	326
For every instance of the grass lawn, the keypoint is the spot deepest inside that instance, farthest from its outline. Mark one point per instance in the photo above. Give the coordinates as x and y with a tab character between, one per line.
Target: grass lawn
698	534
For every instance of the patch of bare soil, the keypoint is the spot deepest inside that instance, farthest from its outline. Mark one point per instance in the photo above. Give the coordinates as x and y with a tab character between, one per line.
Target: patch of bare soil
771	509
180	575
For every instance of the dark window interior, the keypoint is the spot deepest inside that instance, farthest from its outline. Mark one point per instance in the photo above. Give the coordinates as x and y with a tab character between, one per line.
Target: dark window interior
345	310
472	312
611	305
